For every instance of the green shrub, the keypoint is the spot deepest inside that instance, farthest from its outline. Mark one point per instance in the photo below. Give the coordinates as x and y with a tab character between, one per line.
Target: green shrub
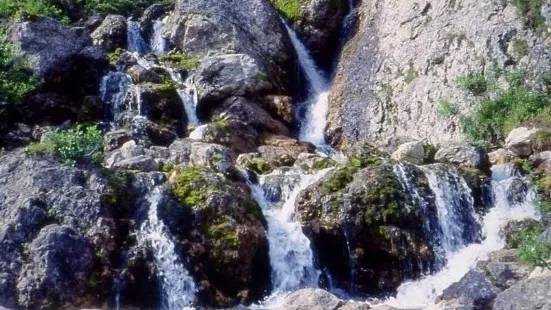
533	249
530	10
181	61
520	47
29	8
502	110
411	74
475	83
446	108
288	8
72	145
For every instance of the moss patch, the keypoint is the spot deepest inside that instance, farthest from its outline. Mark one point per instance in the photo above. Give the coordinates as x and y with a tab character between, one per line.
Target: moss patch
223	232
181	61
289	8
192	185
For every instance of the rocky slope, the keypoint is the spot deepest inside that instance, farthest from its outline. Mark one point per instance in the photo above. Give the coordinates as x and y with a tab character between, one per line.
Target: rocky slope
404	61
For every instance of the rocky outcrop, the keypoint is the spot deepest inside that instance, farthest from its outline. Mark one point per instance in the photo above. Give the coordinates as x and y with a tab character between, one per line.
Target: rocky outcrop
462	154
227	245
362	229
528	294
404	61
473	291
112	33
525	141
249	27
411	152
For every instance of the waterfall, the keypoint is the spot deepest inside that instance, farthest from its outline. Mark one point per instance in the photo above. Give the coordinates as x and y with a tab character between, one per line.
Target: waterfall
188	95
135	40
178	287
291	255
317	104
113	91
422	293
158	42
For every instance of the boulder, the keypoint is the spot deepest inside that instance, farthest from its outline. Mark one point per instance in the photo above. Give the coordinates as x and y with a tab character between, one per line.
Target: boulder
143	163
58	265
236	135
115	139
161	103
528	294
245	111
353	217
186	153
112	33
147	133
281	108
131	149
538	158
473	291
287	142
249	27
47	44
503	268
311	299
525	141
501	156
462	154
224	76
227	245
411	152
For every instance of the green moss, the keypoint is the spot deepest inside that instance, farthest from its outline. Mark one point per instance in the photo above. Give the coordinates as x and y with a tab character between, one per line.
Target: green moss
411	74
446	108
253	208
167	167
192	185
223	232
340	178
430	152
520	47
289	8
115	55
181	61
40	148
475	83
530	10
259	165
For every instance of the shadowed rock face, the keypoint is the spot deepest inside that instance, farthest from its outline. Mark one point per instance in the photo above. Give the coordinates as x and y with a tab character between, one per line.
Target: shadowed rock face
405	58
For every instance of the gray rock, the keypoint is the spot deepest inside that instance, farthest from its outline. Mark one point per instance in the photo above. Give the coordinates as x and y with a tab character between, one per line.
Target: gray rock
143	163
223	76
180	151
131	149
217	157
503	268
252	27
147	133
111	34
159	153
47	44
58	266
528	294
462	154
538	158
405	57
311	299
153	12
501	156
247	112
525	141
473	291
411	152
115	139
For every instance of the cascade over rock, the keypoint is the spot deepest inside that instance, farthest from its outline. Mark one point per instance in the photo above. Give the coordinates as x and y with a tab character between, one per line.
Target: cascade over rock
406	57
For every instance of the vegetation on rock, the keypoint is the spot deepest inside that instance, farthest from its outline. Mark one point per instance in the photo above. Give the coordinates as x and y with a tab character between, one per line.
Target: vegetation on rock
181	60
77	143
530	10
192	185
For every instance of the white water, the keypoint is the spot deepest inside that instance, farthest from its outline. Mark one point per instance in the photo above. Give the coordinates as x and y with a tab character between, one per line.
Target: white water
317	105
113	91
158	42
178	287
188	95
422	293
135	40
291	255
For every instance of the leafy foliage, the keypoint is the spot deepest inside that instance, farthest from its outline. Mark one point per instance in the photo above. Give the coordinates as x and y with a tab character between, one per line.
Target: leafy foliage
475	83
16	81
446	108
533	250
504	108
77	143
289	8
530	10
27	8
181	60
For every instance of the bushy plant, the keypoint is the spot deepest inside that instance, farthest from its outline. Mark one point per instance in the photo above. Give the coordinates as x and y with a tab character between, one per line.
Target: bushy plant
74	144
27	8
181	60
475	83
534	250
446	108
530	10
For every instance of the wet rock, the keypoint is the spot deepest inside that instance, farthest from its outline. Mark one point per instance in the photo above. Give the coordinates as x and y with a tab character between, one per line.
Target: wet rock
93	22
140	74
227	245
525	141
288	142
242	110
354	217
143	163
281	108
112	33
412	152
47	44
462	154
224	76
57	268
161	103
313	299
528	294
147	133
503	268
186	153
501	156
473	291
153	12
236	135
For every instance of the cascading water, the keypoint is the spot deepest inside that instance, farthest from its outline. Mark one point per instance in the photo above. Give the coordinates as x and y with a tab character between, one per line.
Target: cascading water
188	95
113	91
291	256
178	287
422	293
317	105
158	42
135	40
